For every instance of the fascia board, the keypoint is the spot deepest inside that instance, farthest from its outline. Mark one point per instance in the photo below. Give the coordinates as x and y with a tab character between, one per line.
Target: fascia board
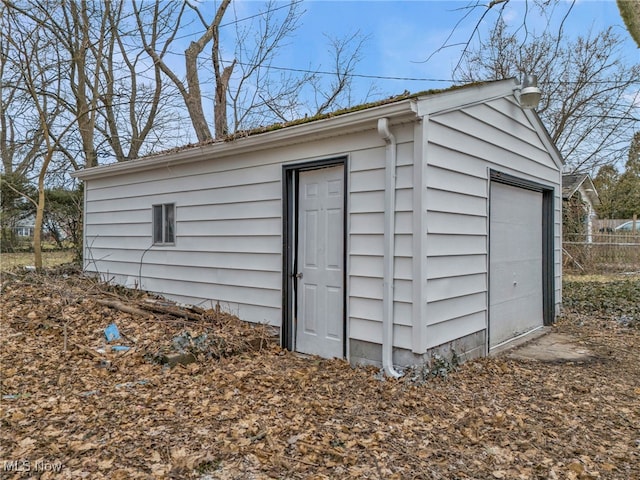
544	136
459	98
315	130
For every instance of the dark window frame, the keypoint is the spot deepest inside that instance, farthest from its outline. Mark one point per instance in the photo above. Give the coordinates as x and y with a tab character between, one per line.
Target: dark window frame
163	223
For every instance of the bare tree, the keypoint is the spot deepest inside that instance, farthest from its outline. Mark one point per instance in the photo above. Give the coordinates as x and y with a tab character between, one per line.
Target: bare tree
135	108
247	86
261	94
587	106
20	136
279	95
70	26
72	90
117	110
190	92
222	74
40	69
346	55
122	87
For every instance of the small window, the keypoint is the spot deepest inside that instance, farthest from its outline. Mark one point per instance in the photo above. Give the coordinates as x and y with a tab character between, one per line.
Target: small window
164	223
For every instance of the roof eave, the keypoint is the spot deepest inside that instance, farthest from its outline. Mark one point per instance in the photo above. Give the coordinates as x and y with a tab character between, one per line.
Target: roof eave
591	191
318	129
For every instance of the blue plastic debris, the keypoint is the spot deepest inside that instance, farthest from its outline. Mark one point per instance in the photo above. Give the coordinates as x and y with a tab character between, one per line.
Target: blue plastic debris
120	348
90	393
111	333
132	384
15	396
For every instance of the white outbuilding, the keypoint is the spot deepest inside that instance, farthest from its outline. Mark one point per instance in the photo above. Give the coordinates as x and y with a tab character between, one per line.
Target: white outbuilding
383	234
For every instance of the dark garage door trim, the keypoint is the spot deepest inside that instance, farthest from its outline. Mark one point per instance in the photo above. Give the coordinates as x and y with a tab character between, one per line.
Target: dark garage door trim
548	250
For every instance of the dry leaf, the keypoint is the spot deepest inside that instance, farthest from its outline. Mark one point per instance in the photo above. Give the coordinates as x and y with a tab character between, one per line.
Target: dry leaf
272	414
105	464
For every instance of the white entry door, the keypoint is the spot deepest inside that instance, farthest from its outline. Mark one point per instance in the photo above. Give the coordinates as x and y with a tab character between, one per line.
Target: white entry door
515	272
319	326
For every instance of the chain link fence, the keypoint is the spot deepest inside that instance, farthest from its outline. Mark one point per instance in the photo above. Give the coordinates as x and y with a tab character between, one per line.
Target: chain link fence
602	252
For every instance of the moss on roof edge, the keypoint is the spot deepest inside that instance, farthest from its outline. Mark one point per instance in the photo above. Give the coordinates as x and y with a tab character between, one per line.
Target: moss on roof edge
301	121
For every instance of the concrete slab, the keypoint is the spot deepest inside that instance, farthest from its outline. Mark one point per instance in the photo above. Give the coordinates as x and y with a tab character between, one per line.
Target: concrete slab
551	347
519	341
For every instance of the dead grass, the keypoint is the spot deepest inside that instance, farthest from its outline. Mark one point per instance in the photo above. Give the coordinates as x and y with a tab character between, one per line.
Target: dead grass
600	277
11	261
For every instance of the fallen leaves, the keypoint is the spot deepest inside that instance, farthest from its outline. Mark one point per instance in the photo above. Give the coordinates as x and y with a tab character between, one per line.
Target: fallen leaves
274	414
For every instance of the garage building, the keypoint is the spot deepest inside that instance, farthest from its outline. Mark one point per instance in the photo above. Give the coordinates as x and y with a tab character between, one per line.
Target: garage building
425	223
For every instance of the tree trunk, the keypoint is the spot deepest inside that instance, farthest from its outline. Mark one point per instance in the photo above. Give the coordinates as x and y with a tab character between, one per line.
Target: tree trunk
630	13
37	230
220	104
193	100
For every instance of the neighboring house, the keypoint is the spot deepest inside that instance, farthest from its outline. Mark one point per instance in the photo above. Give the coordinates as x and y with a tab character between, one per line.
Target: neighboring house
580	199
423	224
25	227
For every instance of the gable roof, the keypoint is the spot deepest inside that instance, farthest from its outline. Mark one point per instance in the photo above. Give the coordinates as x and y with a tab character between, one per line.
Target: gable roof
406	106
572	182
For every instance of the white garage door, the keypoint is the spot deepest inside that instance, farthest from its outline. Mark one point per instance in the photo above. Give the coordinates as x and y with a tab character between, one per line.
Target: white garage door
515	257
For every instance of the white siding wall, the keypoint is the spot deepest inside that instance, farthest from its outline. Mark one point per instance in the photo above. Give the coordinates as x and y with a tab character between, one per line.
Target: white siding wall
229	231
228	235
463	146
366	242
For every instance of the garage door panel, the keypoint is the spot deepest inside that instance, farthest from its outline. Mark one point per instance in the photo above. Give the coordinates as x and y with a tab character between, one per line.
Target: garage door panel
516	301
509	284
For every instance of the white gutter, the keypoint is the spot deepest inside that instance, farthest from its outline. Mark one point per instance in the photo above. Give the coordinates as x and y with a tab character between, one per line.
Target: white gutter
389	246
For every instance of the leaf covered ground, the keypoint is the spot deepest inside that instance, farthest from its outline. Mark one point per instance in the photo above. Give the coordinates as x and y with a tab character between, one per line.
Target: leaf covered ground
246	409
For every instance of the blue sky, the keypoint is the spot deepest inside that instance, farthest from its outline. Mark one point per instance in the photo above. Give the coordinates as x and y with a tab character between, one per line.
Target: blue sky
403	34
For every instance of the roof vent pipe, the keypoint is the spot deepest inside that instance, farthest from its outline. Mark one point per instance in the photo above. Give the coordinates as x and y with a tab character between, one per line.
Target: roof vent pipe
389	246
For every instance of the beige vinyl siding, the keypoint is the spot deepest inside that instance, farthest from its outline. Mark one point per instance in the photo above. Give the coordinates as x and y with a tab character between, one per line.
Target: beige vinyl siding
368	331
464	145
369	266
440	333
231	194
442	266
190	180
558	253
462	285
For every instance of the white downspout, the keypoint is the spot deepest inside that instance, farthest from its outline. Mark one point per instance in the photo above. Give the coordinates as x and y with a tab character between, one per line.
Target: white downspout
389	246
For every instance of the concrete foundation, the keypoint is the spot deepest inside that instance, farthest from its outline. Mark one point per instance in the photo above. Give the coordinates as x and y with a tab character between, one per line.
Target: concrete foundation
463	349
